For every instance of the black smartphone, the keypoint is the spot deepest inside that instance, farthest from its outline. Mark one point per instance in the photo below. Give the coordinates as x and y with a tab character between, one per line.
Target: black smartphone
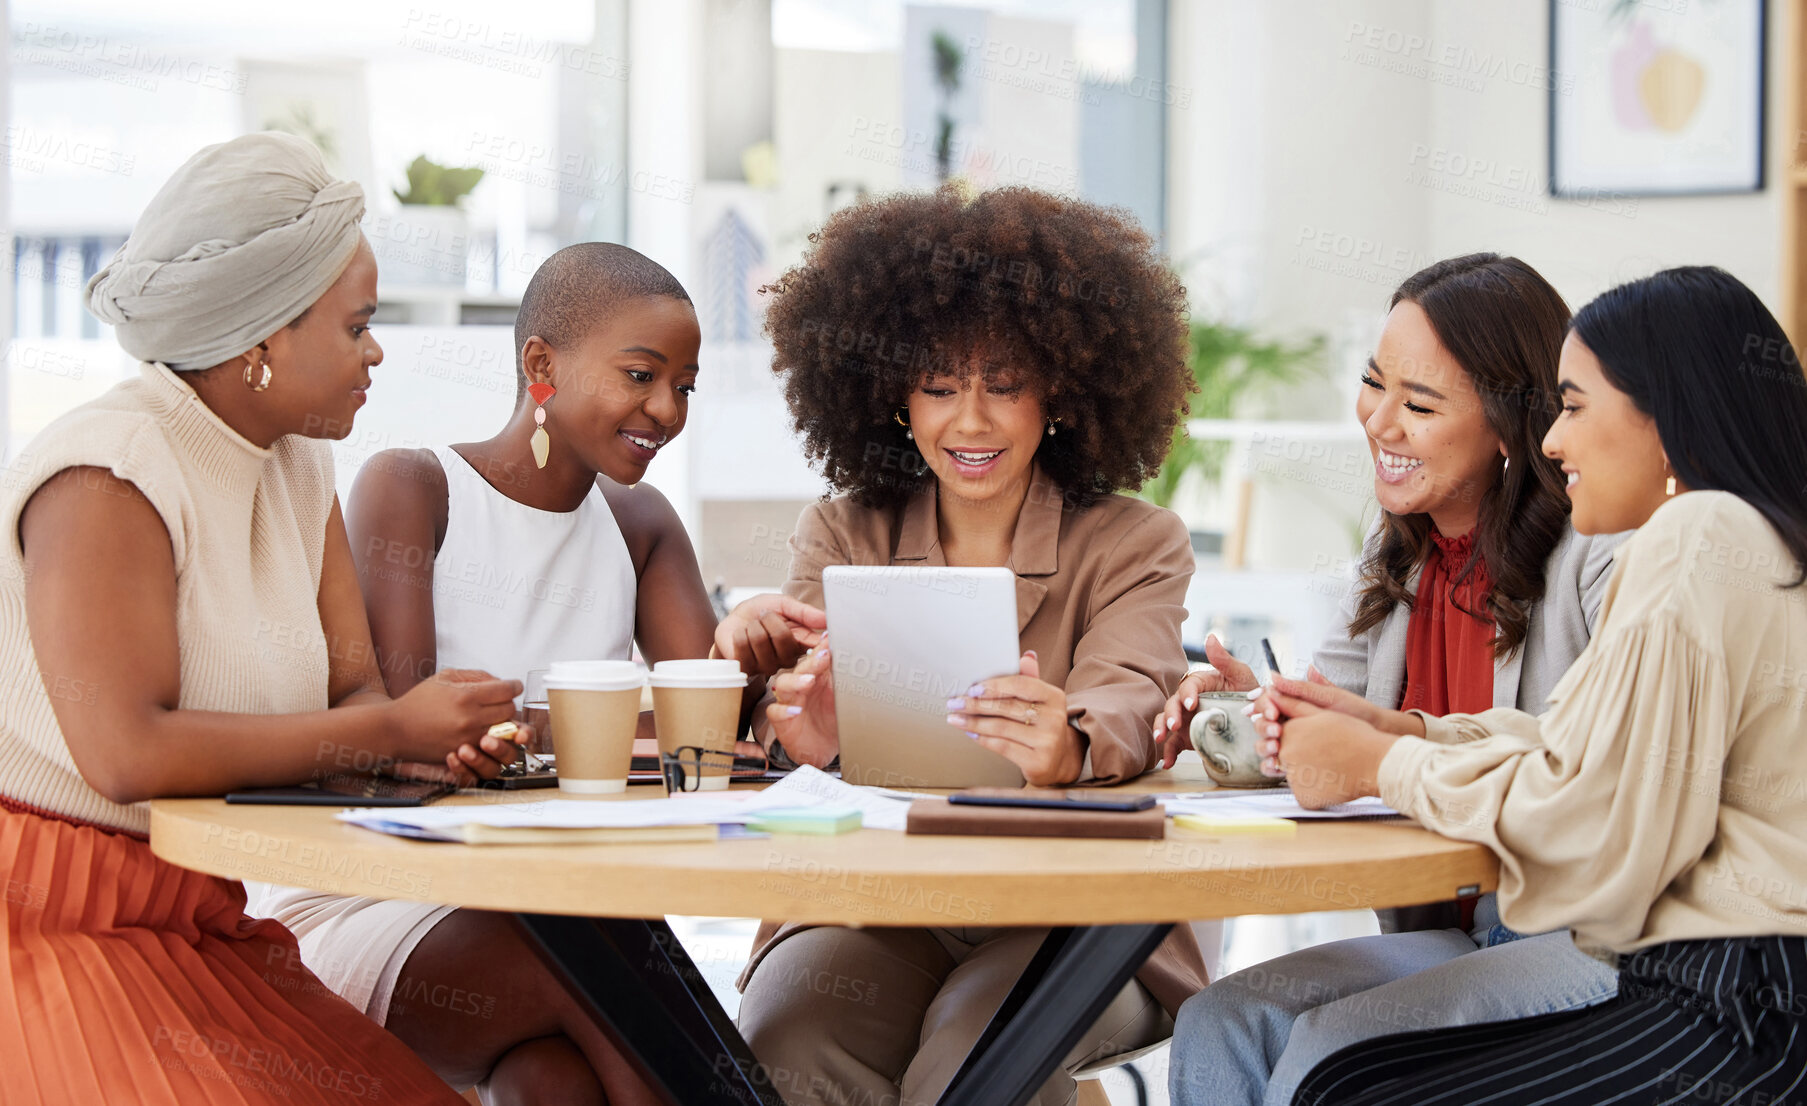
516	777
347	791
1076	799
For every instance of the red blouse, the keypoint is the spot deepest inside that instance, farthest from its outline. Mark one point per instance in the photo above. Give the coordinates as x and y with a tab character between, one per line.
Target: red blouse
1448	652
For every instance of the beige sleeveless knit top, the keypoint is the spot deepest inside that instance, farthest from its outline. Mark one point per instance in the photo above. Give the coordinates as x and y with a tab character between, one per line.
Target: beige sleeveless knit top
247	527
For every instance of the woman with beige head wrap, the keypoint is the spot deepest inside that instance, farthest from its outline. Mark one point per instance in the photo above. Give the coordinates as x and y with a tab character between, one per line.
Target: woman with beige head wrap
222	271
179	615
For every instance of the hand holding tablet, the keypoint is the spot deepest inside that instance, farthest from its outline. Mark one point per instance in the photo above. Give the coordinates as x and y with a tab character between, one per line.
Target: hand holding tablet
1024	719
802	711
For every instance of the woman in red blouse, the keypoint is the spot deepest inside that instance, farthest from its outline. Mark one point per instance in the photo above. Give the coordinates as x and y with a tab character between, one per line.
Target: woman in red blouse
1441	407
1472	593
1449	640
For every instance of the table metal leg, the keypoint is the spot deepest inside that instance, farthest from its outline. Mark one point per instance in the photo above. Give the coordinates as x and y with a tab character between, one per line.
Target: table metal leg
649	998
1073	977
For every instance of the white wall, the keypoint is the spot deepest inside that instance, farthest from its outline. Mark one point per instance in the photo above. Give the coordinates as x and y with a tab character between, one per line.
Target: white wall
436	386
665	159
1314	170
1028	132
1283	197
6	224
1582	249
1322	159
1285	212
838	118
137	136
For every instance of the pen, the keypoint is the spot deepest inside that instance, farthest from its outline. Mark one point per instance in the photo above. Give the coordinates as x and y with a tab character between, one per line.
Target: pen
1273	665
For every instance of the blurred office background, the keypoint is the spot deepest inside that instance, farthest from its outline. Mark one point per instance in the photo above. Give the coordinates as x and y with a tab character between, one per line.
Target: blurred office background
1297	158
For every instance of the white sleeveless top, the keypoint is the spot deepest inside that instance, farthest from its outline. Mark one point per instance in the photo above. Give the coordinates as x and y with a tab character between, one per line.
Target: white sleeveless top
515	587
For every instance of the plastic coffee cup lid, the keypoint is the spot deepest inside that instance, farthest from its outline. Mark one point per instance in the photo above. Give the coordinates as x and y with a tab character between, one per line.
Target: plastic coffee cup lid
698	673
595	675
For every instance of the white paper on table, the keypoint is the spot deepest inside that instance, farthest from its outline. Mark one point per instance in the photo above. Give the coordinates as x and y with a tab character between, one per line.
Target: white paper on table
1278	804
880	808
715	808
805	787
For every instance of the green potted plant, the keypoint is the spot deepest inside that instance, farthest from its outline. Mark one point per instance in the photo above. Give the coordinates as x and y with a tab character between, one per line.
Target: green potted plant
949	59
1230	364
428	241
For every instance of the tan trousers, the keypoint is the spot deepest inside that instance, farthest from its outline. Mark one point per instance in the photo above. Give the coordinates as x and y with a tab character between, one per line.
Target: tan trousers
886	1016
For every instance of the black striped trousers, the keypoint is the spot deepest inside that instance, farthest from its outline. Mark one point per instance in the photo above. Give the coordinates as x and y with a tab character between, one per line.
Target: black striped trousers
1716	1022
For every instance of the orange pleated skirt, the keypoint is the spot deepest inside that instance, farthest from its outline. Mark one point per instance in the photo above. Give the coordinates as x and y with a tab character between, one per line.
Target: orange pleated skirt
128	980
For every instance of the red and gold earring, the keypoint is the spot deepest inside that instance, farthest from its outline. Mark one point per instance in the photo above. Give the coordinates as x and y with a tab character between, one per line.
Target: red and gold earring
541	442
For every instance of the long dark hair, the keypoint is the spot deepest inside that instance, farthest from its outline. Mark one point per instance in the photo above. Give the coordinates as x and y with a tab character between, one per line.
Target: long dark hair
1504	325
1699	353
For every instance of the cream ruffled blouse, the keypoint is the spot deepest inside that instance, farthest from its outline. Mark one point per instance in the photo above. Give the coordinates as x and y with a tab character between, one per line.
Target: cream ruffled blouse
1662	796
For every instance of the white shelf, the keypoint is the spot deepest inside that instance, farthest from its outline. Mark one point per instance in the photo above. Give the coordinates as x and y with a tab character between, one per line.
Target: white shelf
1232	430
438	304
442	293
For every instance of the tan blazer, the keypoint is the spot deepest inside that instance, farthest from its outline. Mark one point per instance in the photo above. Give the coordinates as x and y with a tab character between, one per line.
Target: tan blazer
1100	596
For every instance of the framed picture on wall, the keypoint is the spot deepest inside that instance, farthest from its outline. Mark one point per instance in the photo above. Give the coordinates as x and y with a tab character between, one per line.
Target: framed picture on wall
1656	97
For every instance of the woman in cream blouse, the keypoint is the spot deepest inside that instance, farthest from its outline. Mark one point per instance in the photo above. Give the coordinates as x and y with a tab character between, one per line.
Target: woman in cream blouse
1656	808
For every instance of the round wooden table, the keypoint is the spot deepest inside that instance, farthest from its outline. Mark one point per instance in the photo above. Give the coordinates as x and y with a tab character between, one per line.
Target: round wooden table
597	910
869	877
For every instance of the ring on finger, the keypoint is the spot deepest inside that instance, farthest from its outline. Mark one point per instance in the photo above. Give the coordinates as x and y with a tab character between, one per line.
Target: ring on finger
1030	716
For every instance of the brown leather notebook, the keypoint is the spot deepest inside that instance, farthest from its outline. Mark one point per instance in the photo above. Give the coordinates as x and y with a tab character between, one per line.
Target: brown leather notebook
941	816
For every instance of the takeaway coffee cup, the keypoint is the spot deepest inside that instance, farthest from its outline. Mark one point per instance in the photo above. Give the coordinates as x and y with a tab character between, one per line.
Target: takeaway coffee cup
595	706
1226	740
696	703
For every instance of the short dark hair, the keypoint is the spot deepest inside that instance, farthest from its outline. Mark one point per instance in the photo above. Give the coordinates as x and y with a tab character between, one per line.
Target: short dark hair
580	286
1504	324
1698	352
1074	296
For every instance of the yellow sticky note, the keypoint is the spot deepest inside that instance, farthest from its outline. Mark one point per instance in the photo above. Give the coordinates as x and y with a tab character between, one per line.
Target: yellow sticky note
1245	824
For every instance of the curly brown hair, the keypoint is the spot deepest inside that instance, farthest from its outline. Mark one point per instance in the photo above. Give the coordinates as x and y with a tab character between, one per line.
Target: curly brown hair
1072	296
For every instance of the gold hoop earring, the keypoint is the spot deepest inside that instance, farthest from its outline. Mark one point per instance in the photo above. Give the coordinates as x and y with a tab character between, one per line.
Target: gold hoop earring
262	383
908	433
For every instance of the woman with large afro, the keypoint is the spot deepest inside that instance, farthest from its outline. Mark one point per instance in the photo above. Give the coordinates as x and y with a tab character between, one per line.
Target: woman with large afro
979	380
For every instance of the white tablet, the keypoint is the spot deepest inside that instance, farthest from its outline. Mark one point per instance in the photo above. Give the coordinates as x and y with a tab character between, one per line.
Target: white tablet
904	641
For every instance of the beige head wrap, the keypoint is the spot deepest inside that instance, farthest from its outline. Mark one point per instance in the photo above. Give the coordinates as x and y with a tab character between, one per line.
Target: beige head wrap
238	243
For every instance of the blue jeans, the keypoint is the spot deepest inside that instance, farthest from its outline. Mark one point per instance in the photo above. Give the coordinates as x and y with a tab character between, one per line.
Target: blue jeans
1250	1038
